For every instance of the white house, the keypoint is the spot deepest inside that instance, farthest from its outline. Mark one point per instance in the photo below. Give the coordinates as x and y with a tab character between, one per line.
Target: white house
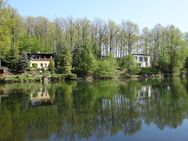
143	60
41	60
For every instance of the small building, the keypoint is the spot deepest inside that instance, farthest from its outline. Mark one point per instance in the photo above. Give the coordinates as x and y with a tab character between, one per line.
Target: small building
40	60
3	70
143	60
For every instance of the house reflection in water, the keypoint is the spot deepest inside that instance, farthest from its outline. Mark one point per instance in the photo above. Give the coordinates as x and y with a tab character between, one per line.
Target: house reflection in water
139	96
144	92
40	98
3	94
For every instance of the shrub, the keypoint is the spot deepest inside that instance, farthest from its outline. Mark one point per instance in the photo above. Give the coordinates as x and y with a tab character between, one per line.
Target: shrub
129	63
84	62
71	77
51	65
34	65
105	68
148	71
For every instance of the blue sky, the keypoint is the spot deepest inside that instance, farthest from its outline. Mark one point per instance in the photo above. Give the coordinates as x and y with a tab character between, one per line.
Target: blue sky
142	12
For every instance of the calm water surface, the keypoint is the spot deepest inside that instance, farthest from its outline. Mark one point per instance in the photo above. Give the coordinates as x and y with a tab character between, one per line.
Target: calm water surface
144	110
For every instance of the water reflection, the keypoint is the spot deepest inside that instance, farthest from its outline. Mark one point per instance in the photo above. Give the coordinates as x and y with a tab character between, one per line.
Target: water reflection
3	96
41	97
91	111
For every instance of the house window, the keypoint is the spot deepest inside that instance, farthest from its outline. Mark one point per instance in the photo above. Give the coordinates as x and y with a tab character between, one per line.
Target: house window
136	57
140	59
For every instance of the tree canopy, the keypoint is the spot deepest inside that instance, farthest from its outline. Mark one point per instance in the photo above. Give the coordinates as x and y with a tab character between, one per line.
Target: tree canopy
79	43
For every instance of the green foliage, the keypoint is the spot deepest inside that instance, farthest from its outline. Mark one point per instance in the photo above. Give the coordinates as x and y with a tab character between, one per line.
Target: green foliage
71	77
129	63
186	64
84	62
149	71
11	58
172	50
177	62
106	68
5	33
51	65
164	62
63	60
34	65
67	60
78	43
23	62
57	77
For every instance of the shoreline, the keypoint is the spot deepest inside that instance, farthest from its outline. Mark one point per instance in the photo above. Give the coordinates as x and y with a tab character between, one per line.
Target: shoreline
49	78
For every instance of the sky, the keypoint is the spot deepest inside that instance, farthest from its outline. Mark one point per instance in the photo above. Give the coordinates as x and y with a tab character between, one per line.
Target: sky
145	13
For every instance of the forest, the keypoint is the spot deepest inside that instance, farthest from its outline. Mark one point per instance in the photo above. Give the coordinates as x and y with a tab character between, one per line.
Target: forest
86	47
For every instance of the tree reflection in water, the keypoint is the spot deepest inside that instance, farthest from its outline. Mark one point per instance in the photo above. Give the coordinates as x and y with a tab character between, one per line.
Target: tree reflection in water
83	110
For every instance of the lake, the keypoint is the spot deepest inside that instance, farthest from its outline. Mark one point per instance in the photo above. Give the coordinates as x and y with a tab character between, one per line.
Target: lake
142	110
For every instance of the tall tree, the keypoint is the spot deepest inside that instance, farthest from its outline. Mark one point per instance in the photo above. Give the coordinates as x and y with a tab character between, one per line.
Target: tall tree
157	33
23	62
11	59
112	33
131	31
5	33
146	39
83	59
100	36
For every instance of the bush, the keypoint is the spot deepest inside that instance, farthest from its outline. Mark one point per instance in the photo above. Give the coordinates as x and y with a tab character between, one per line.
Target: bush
34	65
105	68
129	63
62	77
51	65
71	77
148	71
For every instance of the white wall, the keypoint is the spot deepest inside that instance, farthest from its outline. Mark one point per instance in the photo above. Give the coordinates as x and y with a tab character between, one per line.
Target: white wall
141	60
44	65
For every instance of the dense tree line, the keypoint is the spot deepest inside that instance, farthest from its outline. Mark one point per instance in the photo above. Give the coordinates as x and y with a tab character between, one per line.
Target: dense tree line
81	44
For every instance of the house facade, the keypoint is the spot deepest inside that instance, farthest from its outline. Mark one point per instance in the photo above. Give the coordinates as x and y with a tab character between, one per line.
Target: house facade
40	60
143	60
